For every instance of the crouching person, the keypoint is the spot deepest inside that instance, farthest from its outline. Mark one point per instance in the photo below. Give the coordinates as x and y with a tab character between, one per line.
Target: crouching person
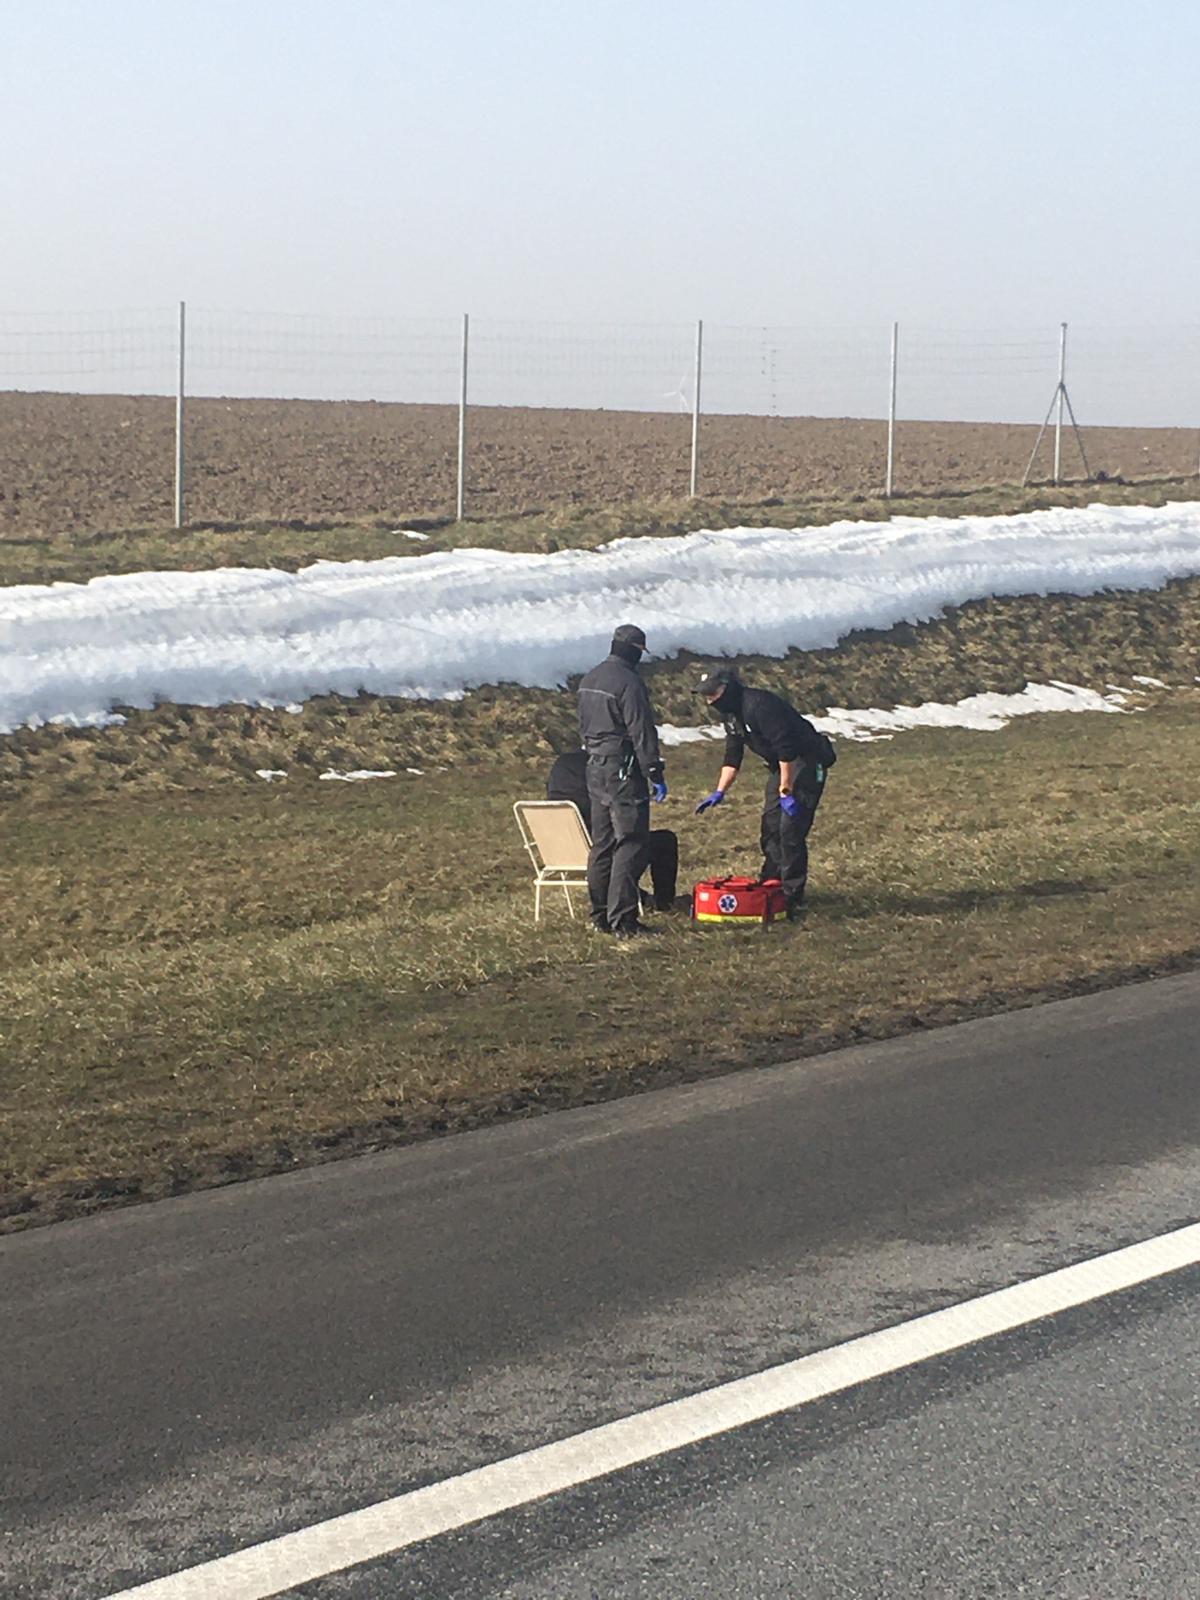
798	759
568	781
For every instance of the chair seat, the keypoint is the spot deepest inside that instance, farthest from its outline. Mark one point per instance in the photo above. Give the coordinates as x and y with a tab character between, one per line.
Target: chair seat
557	841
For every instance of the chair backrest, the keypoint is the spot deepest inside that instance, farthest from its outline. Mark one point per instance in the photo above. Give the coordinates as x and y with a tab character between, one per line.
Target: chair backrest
554	833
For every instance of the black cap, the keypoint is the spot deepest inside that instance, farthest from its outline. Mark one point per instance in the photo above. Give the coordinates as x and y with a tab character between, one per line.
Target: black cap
716	681
629	633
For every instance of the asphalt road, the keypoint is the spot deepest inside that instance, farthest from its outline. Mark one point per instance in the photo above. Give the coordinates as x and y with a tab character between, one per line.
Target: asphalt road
186	1378
1060	1462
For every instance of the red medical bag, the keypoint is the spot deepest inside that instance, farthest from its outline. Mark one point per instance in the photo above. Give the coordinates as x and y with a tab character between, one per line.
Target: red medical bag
738	900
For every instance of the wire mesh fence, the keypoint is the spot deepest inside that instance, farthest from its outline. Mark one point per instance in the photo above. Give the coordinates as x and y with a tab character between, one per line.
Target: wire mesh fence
89	351
243	355
236	416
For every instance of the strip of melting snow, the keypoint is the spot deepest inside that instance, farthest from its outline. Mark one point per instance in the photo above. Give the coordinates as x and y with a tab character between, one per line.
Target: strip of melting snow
983	712
437	627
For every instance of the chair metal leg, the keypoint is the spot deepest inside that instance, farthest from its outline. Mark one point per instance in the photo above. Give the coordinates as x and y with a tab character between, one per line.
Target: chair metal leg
537	900
566	890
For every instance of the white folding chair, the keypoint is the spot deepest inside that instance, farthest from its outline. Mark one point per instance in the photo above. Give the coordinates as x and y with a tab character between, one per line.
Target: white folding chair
556	838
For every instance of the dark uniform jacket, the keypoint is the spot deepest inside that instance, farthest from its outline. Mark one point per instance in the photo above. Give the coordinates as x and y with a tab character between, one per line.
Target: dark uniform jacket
568	781
616	718
774	730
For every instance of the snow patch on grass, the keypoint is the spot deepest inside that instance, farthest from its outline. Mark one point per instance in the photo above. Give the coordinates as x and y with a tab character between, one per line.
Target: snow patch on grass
984	712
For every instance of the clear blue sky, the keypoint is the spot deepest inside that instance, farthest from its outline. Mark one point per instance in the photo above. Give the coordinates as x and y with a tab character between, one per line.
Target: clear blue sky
767	161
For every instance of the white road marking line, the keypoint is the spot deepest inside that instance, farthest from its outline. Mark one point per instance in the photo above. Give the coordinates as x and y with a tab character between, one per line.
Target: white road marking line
379	1530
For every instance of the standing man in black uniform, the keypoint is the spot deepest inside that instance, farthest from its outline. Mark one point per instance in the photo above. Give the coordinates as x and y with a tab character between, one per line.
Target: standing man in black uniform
568	781
798	758
624	772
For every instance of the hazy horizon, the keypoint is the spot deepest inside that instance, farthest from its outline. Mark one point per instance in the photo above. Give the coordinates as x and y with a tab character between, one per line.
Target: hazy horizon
796	177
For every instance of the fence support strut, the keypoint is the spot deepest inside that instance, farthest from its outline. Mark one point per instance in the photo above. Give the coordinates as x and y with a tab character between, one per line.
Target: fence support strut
1059	398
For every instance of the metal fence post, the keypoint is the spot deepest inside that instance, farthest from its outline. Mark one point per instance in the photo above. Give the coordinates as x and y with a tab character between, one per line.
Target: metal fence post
179	403
696	411
1062	391
462	422
891	448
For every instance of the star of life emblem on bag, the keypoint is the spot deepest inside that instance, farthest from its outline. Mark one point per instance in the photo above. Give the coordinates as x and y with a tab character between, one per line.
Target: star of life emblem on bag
727	903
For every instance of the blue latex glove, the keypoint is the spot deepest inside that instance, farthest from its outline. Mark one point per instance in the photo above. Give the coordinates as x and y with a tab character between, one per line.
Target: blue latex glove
713	799
658	790
789	803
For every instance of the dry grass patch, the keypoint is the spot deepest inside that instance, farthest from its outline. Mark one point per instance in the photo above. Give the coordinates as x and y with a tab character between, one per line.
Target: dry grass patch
200	985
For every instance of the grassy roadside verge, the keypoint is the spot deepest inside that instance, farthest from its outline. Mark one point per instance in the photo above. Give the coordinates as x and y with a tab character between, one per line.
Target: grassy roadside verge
76	557
203	985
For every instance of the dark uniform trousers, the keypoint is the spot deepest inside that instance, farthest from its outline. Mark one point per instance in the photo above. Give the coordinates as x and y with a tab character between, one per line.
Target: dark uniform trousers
620	802
784	838
568	781
664	866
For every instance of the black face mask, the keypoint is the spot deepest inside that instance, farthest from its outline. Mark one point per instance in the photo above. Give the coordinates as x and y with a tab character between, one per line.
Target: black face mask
626	652
729	701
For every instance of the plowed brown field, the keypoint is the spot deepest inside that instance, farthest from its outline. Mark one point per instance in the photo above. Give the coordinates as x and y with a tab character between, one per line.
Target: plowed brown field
100	462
